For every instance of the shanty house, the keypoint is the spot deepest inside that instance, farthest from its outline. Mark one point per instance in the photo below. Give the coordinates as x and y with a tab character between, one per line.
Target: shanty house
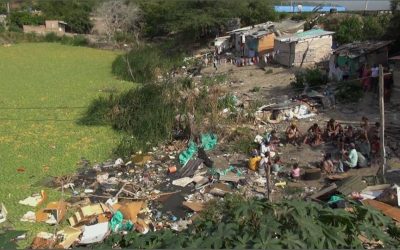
395	65
221	44
54	26
253	40
356	54
304	48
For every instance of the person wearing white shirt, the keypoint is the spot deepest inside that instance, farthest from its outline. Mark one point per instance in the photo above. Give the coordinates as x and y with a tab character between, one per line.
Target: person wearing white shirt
374	76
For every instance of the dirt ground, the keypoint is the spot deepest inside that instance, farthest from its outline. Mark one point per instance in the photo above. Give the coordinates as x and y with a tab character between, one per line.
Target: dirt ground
274	86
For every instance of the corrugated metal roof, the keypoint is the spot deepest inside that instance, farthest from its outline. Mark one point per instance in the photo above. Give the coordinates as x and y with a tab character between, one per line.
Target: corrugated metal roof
352	184
357	49
305	35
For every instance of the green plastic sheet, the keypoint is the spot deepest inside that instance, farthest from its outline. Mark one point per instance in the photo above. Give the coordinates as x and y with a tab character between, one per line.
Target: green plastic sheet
186	155
208	141
117	223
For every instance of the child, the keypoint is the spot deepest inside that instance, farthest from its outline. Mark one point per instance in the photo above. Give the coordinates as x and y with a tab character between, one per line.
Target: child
254	160
276	167
295	172
327	164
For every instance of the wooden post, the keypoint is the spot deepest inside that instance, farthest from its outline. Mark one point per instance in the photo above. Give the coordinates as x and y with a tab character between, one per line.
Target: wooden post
268	170
382	121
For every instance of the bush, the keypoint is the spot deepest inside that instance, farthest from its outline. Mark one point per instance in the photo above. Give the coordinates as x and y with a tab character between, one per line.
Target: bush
312	77
144	63
78	40
98	112
349	92
52	37
350	30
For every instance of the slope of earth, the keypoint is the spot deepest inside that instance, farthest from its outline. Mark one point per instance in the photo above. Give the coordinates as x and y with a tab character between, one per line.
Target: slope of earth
44	89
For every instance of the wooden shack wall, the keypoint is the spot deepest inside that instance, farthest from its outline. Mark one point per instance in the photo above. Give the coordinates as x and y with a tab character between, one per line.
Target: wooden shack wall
283	53
266	43
313	50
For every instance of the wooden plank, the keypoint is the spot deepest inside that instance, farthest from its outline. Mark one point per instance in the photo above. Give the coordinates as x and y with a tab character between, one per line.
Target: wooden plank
195	206
324	191
390	211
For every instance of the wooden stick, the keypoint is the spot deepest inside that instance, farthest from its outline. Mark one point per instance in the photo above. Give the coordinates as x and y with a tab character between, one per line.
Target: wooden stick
382	117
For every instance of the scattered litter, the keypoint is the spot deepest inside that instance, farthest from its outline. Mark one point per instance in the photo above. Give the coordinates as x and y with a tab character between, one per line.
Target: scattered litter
29	216
34	200
43	240
68	236
94	233
53	213
182	182
3	213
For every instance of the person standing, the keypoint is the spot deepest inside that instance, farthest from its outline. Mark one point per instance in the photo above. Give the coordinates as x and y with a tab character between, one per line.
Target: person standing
375	78
366	80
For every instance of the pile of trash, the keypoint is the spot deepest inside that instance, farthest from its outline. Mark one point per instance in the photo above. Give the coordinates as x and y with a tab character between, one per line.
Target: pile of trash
285	111
165	188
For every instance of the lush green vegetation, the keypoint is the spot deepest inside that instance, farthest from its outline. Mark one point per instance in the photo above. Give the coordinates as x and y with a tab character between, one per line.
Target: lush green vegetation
355	27
10	37
75	12
145	63
201	19
311	77
44	90
239	223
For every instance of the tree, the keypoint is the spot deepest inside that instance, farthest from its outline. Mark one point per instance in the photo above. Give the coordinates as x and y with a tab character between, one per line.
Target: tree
120	16
374	27
75	12
350	30
394	5
201	19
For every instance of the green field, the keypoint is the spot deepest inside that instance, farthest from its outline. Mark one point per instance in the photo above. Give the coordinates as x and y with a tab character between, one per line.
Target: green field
35	133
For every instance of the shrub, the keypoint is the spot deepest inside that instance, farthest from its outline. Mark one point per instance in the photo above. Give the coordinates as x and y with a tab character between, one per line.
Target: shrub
348	92
312	77
78	40
138	65
145	63
52	37
350	30
98	112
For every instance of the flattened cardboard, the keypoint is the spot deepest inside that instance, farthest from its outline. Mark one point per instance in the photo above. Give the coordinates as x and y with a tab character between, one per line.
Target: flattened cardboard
195	206
70	236
57	209
130	210
86	213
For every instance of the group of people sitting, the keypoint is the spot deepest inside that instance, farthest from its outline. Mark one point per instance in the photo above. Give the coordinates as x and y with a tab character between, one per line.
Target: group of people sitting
357	147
